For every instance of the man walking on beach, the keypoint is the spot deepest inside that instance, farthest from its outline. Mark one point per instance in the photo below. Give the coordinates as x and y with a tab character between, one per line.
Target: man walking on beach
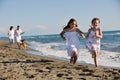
18	33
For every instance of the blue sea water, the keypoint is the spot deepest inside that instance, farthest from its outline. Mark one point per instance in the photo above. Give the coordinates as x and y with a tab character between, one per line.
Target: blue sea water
54	46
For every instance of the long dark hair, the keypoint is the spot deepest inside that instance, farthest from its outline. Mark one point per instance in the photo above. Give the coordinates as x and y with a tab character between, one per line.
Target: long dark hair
11	27
68	24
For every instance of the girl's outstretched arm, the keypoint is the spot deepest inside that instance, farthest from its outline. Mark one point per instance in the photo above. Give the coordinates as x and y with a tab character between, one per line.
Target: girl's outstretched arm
99	34
80	32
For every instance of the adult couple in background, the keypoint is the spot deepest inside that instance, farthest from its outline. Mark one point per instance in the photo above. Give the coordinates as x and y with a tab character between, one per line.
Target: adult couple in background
15	33
71	34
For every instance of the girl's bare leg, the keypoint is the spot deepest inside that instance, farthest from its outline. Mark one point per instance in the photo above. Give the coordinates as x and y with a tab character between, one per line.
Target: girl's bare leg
74	57
18	43
71	59
96	58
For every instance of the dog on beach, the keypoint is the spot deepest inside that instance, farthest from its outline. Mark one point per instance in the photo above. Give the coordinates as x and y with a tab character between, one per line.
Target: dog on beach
23	44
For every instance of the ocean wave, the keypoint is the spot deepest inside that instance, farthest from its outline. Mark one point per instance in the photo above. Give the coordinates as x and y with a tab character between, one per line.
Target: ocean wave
106	58
114	47
112	33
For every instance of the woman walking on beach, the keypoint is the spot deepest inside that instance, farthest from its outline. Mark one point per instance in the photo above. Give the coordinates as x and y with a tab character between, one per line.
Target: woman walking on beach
71	34
11	36
93	39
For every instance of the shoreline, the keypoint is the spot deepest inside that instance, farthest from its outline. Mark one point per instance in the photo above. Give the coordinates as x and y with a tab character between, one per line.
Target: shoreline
66	60
17	64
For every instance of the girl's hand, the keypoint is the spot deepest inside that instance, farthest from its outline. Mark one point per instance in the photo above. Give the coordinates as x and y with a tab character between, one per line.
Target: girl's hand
83	36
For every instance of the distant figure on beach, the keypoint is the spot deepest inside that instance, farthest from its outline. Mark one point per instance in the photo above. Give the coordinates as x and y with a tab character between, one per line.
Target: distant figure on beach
71	34
18	33
11	36
93	39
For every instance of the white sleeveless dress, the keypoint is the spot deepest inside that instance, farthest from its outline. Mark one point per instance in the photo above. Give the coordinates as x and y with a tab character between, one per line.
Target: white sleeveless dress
93	43
72	42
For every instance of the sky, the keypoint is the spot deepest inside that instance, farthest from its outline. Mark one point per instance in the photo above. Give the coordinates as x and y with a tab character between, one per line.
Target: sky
44	17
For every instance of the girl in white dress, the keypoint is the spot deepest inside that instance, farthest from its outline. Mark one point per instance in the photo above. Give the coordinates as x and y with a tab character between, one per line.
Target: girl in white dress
11	36
93	39
71	35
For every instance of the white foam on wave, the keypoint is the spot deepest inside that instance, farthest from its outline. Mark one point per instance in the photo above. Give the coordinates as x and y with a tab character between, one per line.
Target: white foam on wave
110	45
116	33
106	58
29	37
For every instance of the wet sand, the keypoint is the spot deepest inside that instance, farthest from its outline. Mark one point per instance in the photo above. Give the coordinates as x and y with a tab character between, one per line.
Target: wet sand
16	64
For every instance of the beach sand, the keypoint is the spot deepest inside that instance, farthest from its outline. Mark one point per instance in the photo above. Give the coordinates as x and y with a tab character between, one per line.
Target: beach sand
16	64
